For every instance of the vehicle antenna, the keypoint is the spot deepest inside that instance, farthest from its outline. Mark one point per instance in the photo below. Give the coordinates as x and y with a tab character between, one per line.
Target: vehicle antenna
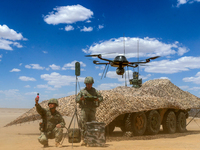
124	55
138	54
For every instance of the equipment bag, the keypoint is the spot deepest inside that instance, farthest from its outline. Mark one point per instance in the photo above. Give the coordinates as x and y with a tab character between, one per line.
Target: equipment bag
74	135
95	134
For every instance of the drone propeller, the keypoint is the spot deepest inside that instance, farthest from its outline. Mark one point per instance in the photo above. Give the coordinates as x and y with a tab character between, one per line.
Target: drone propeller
97	55
148	59
95	61
154	57
144	65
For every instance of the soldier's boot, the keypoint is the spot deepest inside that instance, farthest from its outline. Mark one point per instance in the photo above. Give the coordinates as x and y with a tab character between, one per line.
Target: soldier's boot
58	144
83	143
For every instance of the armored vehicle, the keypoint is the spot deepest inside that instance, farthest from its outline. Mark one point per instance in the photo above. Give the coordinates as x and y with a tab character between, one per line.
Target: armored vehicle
144	110
139	110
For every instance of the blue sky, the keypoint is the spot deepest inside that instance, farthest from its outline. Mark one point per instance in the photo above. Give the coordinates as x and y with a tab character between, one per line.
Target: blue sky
40	41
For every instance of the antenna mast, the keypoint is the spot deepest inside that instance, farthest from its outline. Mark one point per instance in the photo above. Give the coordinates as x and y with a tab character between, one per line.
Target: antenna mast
124	55
138	54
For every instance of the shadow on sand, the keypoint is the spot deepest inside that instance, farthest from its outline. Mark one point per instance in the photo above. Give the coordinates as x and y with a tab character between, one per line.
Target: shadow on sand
119	136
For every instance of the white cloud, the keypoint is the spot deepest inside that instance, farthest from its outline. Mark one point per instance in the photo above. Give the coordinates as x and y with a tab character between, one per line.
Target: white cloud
24	78
101	26
128	73
10	34
69	28
88	21
164	78
68	15
45	52
28	66
15	70
85	29
145	77
108	86
10	93
148	47
27	86
58	80
195	79
173	66
20	64
194	89
41	86
34	66
113	75
71	93
5	44
184	87
71	65
8	37
54	67
31	93
181	2
1	56
18	45
59	95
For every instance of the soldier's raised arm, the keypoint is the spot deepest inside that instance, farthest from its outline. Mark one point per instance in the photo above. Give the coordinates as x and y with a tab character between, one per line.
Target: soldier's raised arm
39	109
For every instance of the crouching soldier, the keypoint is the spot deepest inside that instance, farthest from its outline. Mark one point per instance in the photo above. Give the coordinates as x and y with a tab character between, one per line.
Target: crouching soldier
88	99
53	123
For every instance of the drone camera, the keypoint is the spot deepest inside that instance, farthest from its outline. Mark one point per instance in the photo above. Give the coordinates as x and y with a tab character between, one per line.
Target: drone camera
120	71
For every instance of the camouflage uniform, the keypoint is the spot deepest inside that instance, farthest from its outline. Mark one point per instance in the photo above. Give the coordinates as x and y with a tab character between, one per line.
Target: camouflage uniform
88	106
50	121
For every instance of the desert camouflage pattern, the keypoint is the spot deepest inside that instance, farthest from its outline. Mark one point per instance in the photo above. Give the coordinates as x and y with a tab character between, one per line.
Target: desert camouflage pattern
50	120
89	95
89	80
56	133
154	94
95	134
49	129
74	135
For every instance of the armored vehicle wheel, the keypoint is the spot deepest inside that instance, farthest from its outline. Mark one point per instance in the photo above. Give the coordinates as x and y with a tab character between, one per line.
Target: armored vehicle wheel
181	122
139	123
169	122
153	122
127	121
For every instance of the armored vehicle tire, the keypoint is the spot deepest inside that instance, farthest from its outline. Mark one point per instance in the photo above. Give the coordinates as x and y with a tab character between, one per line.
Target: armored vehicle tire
181	122
139	123
127	122
153	122
169	122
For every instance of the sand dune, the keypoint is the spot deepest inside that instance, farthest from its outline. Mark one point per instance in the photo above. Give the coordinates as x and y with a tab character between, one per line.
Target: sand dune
24	137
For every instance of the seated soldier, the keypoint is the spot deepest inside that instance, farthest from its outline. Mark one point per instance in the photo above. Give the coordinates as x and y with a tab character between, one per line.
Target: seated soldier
53	123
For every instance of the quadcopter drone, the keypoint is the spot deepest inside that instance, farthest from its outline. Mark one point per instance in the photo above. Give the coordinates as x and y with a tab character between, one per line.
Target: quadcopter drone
120	62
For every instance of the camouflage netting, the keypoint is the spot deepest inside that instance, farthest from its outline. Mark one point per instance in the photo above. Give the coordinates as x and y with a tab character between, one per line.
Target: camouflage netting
154	94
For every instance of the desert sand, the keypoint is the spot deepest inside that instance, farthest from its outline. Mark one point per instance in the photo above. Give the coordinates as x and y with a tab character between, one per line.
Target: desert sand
24	137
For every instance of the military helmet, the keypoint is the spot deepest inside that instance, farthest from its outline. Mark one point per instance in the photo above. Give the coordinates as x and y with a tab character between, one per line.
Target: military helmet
89	80
53	101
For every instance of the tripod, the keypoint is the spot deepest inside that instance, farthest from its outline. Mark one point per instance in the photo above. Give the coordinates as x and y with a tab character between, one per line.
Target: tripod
75	112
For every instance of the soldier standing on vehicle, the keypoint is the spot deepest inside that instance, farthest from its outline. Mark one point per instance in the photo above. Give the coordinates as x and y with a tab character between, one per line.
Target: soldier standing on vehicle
53	123
88	99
